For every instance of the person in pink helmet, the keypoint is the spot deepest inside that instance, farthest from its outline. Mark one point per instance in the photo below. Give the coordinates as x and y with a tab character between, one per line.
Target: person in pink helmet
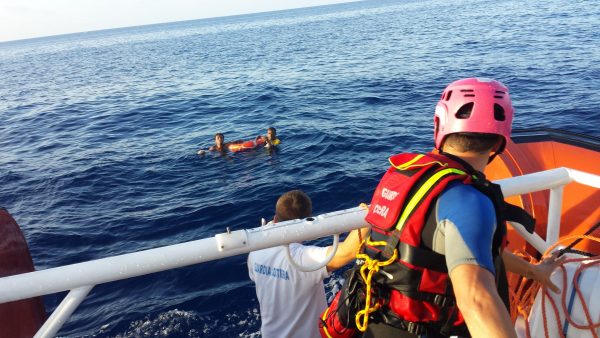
434	258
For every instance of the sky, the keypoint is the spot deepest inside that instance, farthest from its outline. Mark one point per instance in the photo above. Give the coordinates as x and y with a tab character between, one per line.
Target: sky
23	19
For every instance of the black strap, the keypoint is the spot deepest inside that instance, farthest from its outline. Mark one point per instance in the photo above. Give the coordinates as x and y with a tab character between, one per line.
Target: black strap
569	247
423	257
514	213
391	243
419	329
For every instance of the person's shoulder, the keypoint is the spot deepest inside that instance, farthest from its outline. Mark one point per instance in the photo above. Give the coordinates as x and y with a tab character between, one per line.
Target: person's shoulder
458	197
463	202
462	192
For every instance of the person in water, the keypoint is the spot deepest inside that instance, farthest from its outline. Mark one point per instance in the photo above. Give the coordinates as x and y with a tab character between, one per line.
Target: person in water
219	145
291	300
438	227
270	139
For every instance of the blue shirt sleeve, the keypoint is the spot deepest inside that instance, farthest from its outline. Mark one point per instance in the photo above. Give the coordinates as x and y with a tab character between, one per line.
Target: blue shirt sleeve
470	222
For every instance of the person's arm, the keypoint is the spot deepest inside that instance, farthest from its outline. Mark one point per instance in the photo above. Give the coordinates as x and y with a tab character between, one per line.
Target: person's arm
346	251
468	234
479	302
540	272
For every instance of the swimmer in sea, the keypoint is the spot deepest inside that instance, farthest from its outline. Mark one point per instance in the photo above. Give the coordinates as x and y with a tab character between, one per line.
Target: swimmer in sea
219	145
271	139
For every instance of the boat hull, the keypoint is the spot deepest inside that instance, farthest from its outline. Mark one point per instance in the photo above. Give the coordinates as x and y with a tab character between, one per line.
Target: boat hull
21	318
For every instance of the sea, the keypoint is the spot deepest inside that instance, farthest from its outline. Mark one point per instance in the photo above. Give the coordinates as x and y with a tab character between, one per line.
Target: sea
100	131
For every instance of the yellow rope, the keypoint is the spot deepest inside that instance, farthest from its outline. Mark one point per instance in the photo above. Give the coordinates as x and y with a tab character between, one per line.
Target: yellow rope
362	316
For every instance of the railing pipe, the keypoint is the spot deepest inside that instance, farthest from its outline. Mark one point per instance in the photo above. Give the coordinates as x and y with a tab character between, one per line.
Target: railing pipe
114	268
542	180
237	242
63	312
584	178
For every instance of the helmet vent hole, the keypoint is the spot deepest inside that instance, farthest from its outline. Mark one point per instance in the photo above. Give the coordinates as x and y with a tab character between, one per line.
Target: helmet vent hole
464	112
448	94
469	91
499	112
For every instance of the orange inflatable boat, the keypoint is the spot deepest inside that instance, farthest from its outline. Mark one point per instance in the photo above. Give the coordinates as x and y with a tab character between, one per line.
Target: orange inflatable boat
575	310
536	150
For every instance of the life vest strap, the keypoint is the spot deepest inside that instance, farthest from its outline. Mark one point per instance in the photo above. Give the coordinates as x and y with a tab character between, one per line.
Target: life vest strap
415	328
419	256
442	301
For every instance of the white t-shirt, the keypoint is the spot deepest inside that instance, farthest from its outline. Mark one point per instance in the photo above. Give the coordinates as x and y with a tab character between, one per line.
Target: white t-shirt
291	301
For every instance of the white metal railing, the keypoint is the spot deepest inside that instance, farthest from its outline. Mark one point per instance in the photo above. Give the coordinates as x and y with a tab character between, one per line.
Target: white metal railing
80	278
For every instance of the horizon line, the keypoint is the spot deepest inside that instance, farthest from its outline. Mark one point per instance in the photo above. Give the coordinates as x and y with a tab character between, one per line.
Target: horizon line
342	2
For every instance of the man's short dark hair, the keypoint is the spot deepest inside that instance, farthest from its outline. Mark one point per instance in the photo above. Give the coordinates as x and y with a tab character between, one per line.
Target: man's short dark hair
476	142
293	204
272	129
219	134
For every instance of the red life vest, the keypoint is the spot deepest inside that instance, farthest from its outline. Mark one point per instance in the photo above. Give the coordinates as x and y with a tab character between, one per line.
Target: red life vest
413	291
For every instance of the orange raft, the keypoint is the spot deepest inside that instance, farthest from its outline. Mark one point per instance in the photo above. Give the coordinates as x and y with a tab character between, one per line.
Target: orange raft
536	150
246	145
537	312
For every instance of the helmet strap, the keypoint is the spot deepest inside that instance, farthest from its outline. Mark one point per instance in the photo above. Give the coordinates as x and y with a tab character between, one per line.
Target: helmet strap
493	157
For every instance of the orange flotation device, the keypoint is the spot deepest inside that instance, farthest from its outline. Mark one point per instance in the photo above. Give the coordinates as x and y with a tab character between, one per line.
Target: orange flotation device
246	145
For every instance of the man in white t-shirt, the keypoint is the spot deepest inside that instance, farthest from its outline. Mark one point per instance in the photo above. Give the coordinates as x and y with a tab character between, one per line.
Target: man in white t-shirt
291	301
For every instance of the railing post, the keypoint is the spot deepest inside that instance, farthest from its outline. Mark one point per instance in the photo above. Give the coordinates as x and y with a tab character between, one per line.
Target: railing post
534	239
554	214
63	312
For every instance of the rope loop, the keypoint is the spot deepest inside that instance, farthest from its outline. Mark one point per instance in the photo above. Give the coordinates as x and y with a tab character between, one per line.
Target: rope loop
372	265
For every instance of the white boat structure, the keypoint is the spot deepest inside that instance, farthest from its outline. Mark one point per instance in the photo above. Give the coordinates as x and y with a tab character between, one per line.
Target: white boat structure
81	278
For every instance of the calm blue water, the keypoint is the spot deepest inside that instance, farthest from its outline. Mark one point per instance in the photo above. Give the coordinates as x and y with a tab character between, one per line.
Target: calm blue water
99	131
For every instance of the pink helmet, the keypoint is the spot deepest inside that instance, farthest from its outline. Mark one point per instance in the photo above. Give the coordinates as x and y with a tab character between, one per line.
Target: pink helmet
473	105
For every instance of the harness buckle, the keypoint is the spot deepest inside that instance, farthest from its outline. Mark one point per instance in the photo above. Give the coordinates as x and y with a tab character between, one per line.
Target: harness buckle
416	328
442	301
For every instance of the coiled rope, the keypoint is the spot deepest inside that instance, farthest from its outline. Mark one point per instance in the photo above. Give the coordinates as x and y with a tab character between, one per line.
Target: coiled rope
524	295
